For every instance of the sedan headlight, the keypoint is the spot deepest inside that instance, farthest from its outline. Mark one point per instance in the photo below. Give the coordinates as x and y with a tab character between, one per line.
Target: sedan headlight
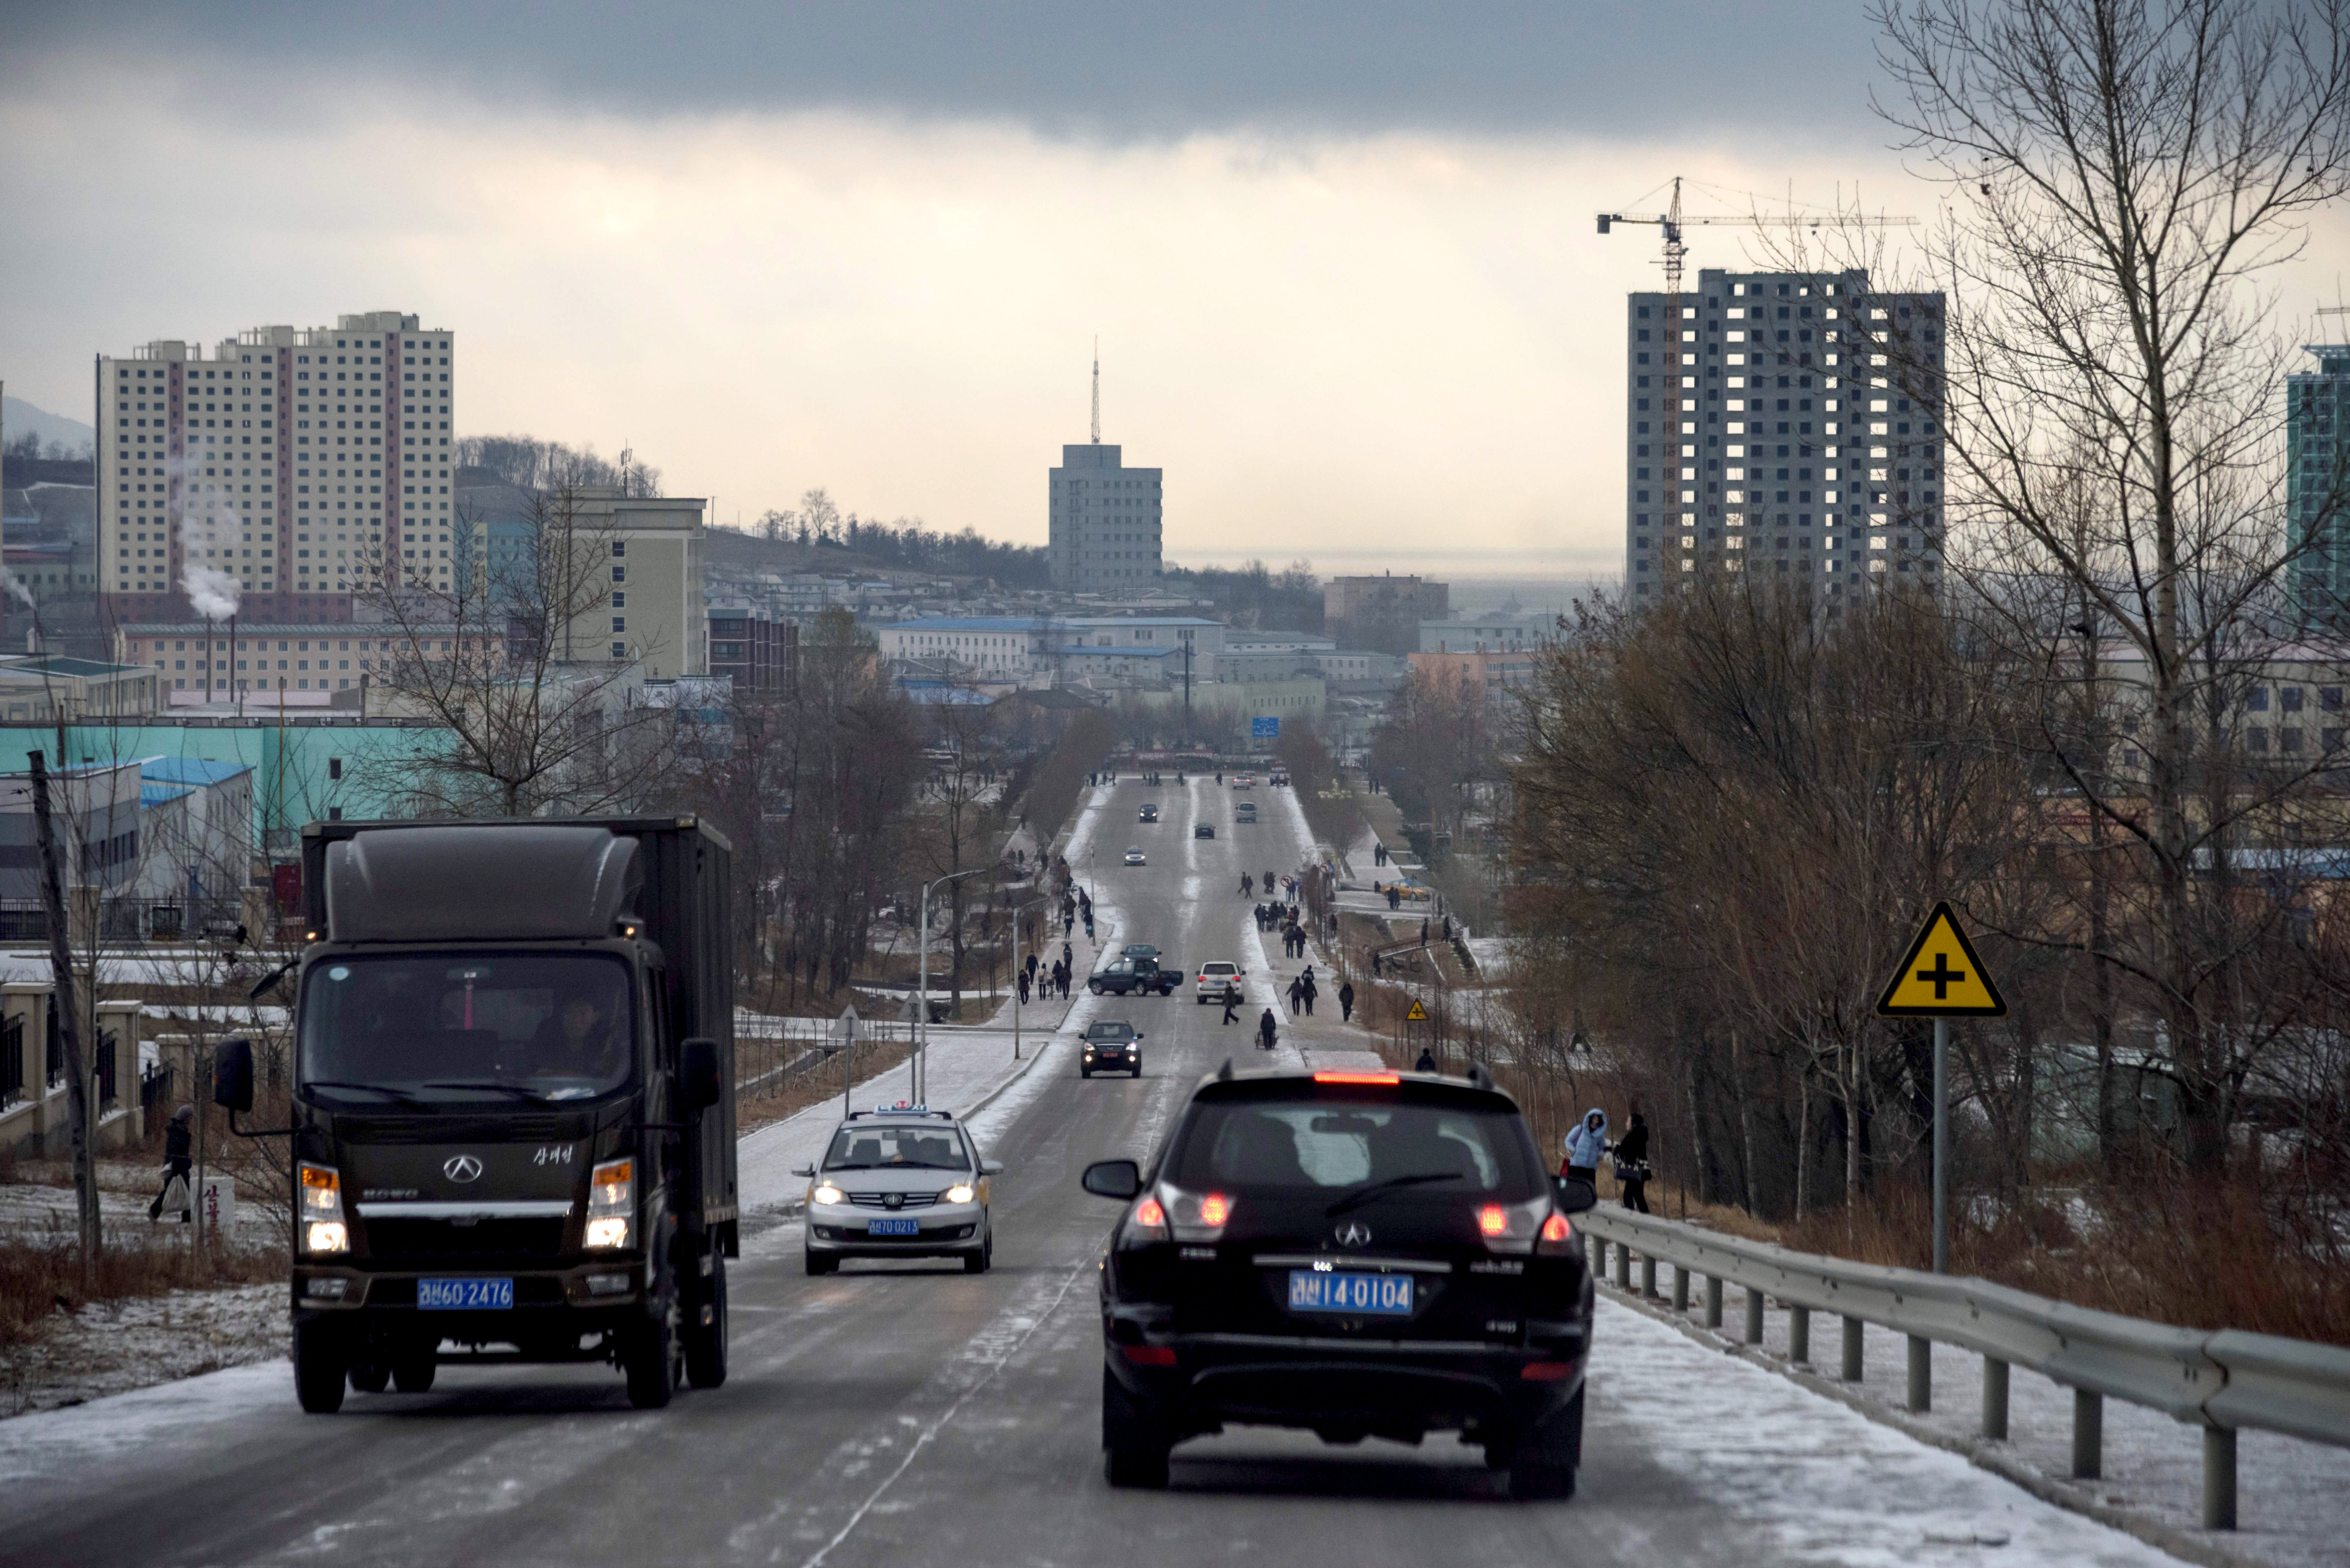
960	1193
826	1193
322	1227
612	1201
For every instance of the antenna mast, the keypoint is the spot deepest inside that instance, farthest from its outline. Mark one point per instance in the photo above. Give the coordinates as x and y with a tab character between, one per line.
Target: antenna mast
1098	391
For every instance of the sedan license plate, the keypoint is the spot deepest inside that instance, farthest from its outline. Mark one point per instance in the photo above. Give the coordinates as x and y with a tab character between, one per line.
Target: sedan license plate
1375	1295
464	1295
893	1226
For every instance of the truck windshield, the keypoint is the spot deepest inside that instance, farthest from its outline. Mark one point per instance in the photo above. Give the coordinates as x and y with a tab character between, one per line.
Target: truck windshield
435	1029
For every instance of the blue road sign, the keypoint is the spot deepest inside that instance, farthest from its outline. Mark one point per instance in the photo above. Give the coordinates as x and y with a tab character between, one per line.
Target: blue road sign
1264	729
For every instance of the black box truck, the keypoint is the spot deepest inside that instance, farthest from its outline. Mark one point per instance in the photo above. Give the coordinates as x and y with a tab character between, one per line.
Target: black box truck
513	1129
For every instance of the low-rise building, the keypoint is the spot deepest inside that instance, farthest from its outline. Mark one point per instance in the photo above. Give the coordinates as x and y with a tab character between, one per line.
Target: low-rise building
1494	671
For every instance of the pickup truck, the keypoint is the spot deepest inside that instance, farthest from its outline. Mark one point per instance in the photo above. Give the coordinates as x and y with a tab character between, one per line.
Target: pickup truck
1135	977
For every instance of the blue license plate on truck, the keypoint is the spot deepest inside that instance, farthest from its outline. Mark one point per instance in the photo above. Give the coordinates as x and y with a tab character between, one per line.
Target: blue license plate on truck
1372	1295
893	1226
464	1295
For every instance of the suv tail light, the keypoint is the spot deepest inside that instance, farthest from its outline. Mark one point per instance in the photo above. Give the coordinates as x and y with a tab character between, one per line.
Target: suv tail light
1512	1227
1557	1237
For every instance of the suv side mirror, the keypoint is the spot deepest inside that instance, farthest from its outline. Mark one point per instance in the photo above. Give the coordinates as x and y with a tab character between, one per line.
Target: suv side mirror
696	1074
1575	1197
233	1075
1113	1179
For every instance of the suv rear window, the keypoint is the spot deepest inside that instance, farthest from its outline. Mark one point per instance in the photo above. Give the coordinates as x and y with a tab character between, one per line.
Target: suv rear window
1322	1144
1219	969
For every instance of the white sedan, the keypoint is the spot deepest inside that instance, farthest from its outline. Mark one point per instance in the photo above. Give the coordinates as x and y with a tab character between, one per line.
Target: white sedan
1134	856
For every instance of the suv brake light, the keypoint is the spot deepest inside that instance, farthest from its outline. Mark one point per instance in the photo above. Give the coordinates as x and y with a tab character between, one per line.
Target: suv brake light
1357	1078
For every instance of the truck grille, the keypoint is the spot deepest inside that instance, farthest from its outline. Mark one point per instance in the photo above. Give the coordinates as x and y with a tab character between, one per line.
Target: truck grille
439	1241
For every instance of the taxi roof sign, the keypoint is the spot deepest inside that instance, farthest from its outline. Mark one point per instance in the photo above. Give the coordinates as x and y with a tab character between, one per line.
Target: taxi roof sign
1941	976
1418	1014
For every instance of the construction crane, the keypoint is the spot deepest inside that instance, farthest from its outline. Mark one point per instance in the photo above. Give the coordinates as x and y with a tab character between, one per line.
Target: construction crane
1672	221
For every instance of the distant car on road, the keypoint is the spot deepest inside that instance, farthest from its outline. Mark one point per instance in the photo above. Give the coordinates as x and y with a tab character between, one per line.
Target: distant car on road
900	1183
1204	830
1244	812
1134	855
1129	977
1243	780
1349	1253
1111	1045
1148	813
1214	978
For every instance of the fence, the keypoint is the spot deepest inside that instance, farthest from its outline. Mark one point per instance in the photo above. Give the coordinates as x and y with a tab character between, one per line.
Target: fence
2222	1381
776	1055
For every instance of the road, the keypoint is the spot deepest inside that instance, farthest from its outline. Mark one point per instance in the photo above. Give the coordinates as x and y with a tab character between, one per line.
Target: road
900	1415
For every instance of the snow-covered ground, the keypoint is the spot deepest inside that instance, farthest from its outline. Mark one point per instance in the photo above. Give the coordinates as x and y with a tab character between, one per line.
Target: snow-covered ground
2293	1497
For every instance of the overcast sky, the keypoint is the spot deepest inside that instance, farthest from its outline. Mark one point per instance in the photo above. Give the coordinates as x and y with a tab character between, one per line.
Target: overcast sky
1341	257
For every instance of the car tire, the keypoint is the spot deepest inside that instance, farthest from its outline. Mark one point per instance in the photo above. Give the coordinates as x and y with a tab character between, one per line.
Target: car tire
413	1372
1138	1067
650	1361
705	1340
371	1377
1134	1446
1092	987
817	1264
1085	1072
1542	1465
318	1369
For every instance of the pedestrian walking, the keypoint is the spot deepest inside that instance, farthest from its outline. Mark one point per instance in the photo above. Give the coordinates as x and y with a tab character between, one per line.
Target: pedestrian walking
1585	1146
1032	966
1307	981
1265	1026
179	1150
1068	958
1068	974
1231	1002
1296	995
1423	930
1024	987
1346	1002
1068	922
1632	1163
1395	897
1248	886
1427	1062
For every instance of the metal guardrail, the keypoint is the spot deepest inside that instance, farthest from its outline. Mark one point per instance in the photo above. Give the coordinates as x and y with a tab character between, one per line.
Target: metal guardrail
2221	1381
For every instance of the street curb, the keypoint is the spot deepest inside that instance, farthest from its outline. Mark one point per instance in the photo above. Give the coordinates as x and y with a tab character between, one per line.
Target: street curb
1983	1455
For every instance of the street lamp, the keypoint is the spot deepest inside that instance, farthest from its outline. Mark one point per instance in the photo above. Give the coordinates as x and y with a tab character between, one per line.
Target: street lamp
920	1054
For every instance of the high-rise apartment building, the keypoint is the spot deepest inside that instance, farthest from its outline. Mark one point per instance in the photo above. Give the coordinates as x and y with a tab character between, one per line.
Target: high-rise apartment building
2317	484
1787	426
279	474
1106	518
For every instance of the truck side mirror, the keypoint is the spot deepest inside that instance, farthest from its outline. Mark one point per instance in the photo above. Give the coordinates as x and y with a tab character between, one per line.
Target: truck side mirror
697	1075
233	1075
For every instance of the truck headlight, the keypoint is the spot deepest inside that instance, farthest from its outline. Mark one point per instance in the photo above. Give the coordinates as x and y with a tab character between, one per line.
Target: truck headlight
321	1220
960	1193
612	1198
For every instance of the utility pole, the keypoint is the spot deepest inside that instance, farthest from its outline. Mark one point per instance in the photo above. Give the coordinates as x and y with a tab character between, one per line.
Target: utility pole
1187	689
61	968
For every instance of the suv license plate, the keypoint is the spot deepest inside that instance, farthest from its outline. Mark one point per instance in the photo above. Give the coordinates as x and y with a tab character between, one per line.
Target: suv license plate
1371	1295
893	1226
464	1295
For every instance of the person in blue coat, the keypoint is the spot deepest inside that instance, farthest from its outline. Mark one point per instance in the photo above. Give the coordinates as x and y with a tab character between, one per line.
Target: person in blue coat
1586	1146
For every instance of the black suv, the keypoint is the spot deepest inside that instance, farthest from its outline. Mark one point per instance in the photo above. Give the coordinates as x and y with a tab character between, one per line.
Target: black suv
1111	1047
1356	1255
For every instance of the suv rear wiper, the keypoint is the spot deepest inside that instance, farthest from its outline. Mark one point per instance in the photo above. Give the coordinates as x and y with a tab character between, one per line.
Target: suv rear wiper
403	1095
1363	1195
515	1089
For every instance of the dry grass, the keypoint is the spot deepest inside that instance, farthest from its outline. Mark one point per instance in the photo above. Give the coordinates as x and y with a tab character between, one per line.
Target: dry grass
40	1275
821	1081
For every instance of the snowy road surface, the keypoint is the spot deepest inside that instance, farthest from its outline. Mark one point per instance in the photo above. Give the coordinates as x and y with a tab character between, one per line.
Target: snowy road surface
910	1416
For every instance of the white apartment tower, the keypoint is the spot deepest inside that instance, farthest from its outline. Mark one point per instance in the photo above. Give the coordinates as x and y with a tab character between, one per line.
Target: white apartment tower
282	470
1105	521
1786	426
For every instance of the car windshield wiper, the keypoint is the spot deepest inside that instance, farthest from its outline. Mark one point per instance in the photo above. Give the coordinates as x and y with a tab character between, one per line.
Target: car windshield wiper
853	1166
489	1084
403	1095
1363	1195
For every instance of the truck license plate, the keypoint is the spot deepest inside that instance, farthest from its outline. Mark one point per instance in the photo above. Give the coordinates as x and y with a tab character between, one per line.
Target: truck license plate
464	1295
893	1226
1380	1295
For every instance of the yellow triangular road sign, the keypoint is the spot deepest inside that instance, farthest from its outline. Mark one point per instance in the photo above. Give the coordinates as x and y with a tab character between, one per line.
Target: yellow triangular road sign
1418	1014
1941	976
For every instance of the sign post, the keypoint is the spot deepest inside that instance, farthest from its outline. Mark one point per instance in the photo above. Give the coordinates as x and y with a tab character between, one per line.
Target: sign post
1941	979
844	1030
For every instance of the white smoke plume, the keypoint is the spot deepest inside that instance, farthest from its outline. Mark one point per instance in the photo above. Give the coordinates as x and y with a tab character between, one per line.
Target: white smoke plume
16	589
209	524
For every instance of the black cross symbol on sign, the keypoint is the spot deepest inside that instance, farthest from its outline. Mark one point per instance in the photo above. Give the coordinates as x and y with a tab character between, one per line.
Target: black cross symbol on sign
1943	976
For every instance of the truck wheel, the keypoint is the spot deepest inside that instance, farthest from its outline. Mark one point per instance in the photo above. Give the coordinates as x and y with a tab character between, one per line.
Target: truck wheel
651	1363
318	1369
371	1377
705	1340
1134	1447
413	1372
